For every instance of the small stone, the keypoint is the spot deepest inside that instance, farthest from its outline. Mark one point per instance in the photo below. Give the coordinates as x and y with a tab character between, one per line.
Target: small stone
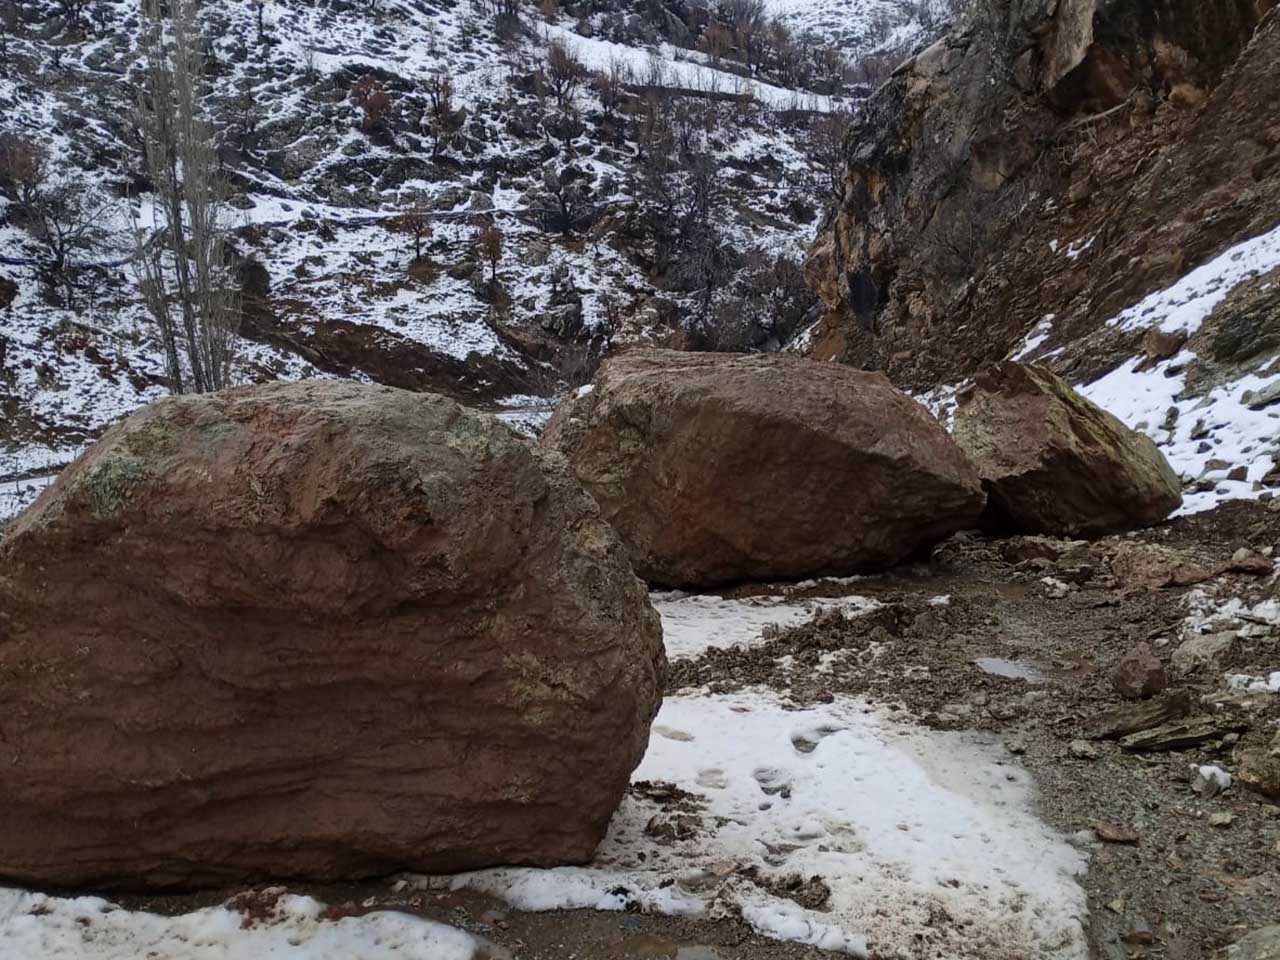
1221	819
1138	932
1054	588
1209	650
1016	747
1084	750
1116	905
1113	832
1139	674
1238	473
1003	711
1258	399
1249	561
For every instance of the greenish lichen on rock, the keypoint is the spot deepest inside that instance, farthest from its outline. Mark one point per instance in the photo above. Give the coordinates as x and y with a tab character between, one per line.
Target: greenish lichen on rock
107	485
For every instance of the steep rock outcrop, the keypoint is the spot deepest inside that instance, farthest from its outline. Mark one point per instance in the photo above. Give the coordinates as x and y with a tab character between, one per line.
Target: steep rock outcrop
1054	463
315	630
717	468
1046	158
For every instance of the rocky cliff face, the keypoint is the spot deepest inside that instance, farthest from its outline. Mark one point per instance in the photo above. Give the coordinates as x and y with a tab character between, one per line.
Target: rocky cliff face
1048	163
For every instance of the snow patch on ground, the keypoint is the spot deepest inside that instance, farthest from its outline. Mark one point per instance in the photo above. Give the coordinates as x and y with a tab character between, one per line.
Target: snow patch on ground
1268	684
1235	434
38	927
692	623
1188	303
923	840
904	826
17	495
1034	339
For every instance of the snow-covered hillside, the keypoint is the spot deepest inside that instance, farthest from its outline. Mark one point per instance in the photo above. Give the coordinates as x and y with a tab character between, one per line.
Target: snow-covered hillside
572	174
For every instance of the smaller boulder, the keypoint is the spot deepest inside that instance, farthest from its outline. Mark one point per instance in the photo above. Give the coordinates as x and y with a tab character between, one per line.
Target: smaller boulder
1139	674
1207	651
1055	463
1150	566
1260	767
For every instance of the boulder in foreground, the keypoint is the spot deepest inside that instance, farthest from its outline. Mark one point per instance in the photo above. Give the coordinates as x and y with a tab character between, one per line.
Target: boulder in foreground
1055	463
717	468
316	630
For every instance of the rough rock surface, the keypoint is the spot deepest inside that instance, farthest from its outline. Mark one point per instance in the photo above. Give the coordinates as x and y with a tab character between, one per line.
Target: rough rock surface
314	630
718	468
1260	767
1053	462
1047	158
1139	674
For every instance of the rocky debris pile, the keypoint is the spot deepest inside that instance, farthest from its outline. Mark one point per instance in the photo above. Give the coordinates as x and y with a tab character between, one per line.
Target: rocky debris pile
717	468
315	630
1052	462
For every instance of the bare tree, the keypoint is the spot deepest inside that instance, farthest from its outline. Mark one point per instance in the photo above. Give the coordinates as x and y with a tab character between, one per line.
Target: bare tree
24	169
413	221
489	243
73	12
180	262
260	10
827	142
66	216
611	86
564	72
69	221
443	120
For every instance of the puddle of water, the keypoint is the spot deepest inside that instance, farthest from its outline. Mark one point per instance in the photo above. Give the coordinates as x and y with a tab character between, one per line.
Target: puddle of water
1013	669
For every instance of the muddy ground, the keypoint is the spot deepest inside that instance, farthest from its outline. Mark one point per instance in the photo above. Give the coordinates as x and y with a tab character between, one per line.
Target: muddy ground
1173	873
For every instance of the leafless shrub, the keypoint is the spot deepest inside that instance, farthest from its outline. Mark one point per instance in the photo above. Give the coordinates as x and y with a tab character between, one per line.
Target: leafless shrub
565	73
489	245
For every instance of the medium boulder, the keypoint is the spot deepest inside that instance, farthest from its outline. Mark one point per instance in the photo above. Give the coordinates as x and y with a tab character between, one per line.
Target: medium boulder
317	630
1054	463
718	468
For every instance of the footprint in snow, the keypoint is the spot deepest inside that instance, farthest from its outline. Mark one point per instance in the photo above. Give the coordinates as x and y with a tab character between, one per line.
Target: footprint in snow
773	781
713	779
806	741
671	733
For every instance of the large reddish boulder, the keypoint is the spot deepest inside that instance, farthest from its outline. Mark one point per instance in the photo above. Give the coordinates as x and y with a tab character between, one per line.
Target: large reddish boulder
316	630
1055	463
718	468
